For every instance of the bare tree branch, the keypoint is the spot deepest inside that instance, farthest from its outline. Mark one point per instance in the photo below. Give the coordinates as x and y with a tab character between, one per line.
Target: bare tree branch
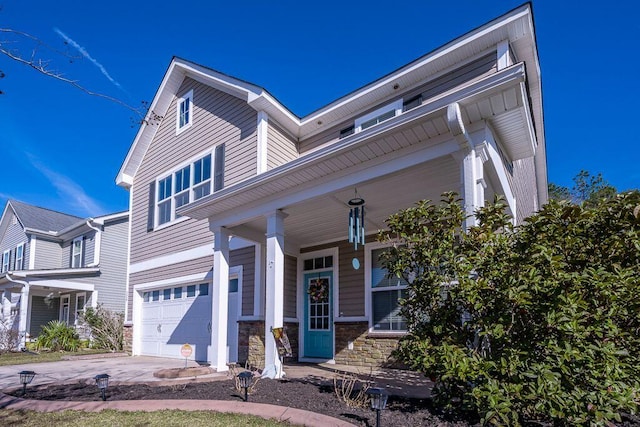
144	115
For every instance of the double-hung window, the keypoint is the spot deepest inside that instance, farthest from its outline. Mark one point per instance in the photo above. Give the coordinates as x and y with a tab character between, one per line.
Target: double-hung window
184	112
188	183
386	291
6	255
76	253
19	262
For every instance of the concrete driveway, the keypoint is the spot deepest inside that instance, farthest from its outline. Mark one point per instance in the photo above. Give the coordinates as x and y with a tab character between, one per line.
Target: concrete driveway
121	368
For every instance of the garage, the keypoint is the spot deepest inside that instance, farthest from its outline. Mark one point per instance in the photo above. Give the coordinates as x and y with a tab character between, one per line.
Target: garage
176	315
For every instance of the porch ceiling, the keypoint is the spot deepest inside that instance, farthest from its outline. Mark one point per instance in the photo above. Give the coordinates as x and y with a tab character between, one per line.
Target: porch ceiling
324	218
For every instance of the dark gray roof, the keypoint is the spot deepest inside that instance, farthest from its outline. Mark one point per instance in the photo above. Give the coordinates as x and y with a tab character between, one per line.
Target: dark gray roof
42	219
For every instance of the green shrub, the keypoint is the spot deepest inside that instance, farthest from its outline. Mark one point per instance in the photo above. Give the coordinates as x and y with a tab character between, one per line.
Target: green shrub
56	336
541	322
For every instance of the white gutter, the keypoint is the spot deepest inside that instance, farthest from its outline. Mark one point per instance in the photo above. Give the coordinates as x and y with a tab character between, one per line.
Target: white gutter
97	244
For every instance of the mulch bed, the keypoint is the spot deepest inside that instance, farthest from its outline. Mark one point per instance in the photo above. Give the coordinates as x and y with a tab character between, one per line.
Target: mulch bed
309	395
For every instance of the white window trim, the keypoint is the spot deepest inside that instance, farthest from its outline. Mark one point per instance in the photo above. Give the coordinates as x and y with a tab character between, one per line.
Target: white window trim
21	259
394	106
171	173
6	256
73	255
189	96
368	309
84	308
62	297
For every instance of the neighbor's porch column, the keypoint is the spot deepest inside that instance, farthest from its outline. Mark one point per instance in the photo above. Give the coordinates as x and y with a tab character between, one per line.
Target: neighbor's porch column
274	288
23	323
220	299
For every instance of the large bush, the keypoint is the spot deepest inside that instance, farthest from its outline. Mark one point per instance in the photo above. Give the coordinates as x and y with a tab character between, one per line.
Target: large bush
107	327
541	322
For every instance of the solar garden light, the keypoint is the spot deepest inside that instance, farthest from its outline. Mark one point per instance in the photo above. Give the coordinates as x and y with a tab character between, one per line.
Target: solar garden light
102	381
245	378
25	378
378	398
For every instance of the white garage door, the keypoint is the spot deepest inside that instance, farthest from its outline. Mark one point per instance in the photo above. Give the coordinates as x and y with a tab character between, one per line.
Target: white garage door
175	316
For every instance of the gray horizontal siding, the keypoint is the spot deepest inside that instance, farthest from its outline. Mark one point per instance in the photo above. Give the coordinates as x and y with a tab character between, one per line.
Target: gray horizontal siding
282	148
467	73
217	118
12	237
48	254
246	258
42	313
112	282
290	285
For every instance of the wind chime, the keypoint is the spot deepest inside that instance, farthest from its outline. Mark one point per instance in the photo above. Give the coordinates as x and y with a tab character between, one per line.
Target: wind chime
356	220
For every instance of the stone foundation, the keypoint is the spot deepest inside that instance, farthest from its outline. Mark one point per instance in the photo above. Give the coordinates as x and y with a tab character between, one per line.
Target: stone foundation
366	349
128	338
251	342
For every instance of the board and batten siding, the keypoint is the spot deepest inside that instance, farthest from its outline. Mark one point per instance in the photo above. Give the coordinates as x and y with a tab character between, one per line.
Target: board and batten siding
467	73
351	282
42	313
48	254
218	118
246	257
290	285
13	236
281	148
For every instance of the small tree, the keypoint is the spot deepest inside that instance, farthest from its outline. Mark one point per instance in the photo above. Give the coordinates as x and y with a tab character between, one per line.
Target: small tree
107	327
540	323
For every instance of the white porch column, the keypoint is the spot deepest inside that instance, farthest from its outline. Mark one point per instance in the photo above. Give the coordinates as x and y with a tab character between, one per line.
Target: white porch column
220	299
23	323
6	306
468	179
274	310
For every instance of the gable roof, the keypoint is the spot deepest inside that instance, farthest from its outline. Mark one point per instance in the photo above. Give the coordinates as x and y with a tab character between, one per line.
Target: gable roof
515	26
42	219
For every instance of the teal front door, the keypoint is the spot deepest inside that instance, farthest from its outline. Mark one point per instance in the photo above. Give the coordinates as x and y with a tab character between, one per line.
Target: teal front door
318	315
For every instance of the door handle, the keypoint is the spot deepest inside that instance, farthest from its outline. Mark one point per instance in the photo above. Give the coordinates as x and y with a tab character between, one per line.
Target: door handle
209	327
159	328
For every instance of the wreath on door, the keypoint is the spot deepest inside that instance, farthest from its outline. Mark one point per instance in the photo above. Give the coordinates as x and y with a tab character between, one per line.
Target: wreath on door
318	290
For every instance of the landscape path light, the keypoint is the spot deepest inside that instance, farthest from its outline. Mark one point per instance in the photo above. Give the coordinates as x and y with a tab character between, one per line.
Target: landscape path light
25	378
102	381
245	378
378	398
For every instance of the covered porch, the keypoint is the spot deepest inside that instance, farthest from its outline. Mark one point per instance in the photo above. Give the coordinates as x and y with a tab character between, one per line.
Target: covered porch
297	214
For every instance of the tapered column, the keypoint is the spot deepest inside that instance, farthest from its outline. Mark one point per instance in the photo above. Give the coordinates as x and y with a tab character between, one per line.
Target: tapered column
220	300
274	304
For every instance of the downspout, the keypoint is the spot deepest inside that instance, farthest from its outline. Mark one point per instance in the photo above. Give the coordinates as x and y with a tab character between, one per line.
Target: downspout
24	308
98	243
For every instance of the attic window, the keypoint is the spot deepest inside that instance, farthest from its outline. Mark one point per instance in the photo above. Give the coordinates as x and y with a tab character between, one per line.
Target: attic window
378	116
184	111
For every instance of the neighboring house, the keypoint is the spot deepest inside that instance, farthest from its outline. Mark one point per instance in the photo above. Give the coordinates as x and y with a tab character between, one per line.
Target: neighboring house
240	209
54	265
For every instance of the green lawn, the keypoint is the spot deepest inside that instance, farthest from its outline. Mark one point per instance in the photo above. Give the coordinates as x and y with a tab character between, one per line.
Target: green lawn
117	418
19	358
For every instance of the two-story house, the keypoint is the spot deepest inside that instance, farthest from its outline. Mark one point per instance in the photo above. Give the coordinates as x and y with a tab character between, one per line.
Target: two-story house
246	217
54	265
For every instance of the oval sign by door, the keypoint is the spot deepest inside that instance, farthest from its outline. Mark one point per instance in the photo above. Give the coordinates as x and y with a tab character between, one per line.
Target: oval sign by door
355	263
186	350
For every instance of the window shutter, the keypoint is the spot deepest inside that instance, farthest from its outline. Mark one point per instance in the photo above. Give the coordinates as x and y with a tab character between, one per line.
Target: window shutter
152	206
218	181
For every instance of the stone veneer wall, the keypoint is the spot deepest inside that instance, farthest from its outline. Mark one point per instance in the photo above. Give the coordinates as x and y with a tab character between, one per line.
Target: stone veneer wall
368	350
128	338
251	342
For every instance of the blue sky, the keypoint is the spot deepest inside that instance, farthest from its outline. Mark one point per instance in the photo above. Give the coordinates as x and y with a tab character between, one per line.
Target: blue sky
62	148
